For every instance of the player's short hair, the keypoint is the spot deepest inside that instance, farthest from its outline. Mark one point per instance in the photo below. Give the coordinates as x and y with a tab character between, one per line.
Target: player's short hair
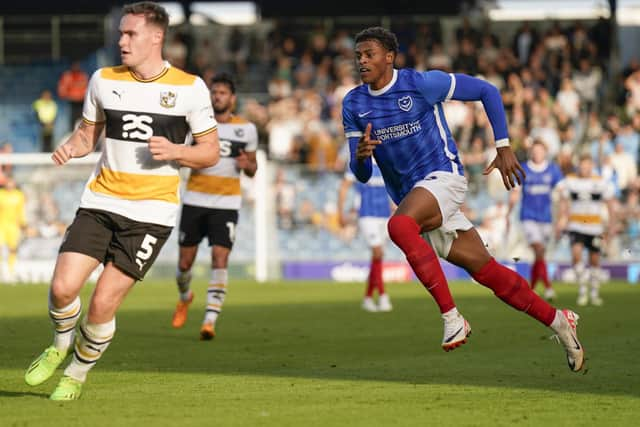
225	79
383	36
539	141
153	13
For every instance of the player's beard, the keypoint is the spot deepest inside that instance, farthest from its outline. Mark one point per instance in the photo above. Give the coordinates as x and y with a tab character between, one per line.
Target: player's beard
221	110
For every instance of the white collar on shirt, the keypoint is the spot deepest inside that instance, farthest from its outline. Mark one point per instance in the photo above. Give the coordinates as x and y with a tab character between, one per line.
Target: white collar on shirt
378	92
537	168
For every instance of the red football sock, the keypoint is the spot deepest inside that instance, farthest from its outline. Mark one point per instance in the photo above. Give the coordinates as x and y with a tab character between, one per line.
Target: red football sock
534	275
544	275
405	232
375	276
511	288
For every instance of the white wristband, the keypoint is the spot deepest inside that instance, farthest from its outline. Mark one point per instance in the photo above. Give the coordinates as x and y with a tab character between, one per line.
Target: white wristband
504	142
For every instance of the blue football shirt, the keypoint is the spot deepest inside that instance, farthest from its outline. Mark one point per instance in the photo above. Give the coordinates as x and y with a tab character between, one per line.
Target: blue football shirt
536	191
374	200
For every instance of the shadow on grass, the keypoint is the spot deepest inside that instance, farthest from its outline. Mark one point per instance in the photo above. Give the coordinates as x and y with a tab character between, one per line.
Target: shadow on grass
338	341
9	393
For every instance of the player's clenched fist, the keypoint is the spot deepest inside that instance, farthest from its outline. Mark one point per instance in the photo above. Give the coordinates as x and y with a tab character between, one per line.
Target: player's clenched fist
366	144
63	154
163	149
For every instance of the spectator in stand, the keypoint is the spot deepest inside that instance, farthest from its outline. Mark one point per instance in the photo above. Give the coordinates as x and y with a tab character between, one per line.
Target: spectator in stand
46	110
72	87
568	99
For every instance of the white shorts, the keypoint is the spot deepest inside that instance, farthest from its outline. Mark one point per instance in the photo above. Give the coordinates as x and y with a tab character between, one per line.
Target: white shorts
374	230
449	189
536	232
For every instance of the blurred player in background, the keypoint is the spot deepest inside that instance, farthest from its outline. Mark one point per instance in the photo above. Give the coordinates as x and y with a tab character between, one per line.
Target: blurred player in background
583	200
373	215
535	210
211	204
12	222
130	203
396	116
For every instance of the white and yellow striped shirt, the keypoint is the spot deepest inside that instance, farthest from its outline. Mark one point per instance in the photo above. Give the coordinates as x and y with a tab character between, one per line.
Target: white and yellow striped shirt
127	180
587	197
218	186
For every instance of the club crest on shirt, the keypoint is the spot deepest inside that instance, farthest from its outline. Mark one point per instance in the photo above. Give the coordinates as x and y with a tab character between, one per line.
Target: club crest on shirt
239	132
405	103
168	99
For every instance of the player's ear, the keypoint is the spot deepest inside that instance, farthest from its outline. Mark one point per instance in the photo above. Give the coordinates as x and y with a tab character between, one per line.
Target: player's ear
158	36
391	56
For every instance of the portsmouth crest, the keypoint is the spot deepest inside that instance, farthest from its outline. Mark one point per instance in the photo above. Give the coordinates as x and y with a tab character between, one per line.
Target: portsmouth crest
405	103
168	99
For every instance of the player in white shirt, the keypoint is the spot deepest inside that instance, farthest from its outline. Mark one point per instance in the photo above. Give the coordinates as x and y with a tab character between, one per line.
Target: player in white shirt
584	198
211	204
146	108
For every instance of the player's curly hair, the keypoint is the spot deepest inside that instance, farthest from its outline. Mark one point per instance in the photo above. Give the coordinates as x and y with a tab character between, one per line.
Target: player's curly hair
153	13
224	78
383	36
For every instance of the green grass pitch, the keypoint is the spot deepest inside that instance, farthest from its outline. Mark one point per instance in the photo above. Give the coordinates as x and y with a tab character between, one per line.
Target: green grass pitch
304	354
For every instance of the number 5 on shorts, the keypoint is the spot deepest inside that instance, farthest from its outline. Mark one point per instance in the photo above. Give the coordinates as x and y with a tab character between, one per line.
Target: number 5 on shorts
146	250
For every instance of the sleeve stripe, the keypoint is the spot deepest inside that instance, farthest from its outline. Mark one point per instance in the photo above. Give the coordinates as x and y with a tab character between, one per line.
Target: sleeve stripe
353	134
504	142
90	122
205	132
452	88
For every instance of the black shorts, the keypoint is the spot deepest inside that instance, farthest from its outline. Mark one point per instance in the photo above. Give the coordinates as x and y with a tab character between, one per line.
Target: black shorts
130	245
219	225
592	243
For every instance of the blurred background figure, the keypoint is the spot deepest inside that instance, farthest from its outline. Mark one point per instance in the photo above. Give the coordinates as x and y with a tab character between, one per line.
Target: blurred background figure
374	211
46	110
12	222
71	87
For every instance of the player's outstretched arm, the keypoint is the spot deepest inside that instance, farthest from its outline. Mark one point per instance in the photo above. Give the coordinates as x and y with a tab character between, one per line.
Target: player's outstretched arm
204	153
469	88
81	142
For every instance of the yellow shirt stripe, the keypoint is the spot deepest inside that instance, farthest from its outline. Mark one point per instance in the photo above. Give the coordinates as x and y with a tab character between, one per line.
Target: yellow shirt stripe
132	186
220	185
170	76
585	219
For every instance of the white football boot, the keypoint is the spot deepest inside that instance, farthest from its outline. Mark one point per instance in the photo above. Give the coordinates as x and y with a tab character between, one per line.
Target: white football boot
384	303
567	336
549	294
456	330
369	305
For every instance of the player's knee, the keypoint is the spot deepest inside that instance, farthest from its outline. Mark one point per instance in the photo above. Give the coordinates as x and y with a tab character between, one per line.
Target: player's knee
399	226
61	293
185	264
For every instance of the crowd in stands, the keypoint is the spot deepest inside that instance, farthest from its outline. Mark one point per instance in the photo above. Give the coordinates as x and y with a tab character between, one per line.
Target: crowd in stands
557	86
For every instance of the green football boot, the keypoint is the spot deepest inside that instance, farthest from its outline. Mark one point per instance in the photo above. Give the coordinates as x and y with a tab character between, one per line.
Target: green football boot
44	366
68	389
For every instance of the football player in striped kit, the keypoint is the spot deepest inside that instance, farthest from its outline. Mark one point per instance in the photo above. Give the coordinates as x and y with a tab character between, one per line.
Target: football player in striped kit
130	204
584	196
210	206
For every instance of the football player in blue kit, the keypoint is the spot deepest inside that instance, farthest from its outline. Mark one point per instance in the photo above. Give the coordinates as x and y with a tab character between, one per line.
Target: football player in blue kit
396	116
536	210
373	214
